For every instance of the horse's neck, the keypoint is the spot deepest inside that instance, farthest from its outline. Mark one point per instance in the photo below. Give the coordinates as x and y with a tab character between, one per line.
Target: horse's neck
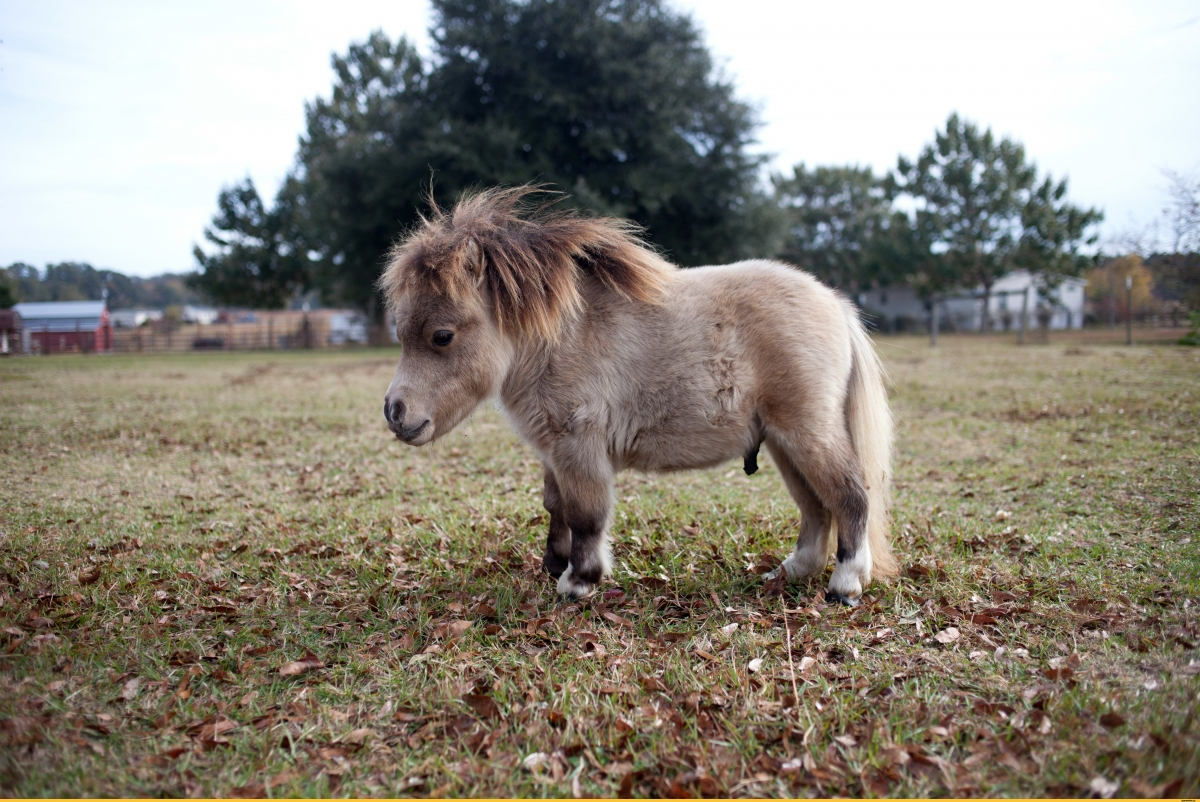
526	392
525	371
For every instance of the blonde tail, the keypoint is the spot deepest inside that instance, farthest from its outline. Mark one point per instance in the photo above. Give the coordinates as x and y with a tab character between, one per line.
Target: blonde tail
869	419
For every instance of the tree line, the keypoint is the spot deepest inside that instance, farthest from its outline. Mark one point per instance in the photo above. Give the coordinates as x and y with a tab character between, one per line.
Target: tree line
618	105
79	281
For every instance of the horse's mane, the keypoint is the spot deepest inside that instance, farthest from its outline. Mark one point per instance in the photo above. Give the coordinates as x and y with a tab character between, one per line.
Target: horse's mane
530	257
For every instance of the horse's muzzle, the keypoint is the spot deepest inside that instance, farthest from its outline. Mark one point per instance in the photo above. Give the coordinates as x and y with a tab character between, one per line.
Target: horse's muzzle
393	413
408	435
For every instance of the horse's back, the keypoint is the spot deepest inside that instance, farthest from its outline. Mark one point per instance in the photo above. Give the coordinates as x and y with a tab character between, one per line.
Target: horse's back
730	345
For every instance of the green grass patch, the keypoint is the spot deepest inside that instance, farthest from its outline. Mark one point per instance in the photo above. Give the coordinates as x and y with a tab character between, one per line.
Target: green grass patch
220	575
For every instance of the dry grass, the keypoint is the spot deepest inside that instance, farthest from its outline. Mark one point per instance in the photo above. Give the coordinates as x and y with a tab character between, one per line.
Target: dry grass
220	575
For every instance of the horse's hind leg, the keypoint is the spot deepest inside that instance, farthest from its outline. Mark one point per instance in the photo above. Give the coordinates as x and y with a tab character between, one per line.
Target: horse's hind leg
835	476
558	542
812	543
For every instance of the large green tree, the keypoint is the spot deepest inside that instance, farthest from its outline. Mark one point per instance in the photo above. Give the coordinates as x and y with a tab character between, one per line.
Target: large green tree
616	103
987	212
8	290
259	260
837	222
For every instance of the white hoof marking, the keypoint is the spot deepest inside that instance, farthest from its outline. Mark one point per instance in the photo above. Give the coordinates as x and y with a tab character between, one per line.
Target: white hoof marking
573	588
801	563
850	575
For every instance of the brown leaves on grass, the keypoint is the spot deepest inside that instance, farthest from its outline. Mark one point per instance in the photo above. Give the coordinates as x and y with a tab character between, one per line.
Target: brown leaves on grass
259	790
22	730
90	577
450	629
669	783
947	636
484	705
305	664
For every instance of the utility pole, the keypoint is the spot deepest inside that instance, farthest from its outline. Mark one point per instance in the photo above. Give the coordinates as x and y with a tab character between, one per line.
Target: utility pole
1129	310
1024	313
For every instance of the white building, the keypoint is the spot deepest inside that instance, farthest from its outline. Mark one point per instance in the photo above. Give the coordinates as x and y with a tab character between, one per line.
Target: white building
900	309
204	315
347	327
132	318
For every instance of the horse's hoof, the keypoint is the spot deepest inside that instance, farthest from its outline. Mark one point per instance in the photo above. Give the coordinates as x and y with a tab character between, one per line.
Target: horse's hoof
572	588
837	598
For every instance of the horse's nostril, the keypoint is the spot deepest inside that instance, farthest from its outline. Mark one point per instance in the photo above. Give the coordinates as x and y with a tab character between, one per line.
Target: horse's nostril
393	412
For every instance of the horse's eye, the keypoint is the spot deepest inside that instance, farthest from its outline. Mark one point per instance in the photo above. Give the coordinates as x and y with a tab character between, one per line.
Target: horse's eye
442	338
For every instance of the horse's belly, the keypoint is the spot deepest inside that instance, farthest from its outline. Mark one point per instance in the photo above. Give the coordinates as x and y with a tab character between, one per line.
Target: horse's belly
700	447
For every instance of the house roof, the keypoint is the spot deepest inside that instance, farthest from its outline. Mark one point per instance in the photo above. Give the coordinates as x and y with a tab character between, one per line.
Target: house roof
60	310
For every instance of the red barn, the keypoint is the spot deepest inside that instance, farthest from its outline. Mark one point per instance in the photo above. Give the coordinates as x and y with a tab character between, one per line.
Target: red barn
65	326
10	332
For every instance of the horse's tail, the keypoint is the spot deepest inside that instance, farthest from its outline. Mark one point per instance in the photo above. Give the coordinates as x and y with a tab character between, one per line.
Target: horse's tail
869	419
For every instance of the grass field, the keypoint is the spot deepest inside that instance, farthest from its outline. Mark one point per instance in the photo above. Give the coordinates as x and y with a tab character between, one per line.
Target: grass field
220	575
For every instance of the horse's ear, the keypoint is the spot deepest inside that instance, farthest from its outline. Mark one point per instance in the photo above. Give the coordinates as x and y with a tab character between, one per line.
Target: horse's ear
474	260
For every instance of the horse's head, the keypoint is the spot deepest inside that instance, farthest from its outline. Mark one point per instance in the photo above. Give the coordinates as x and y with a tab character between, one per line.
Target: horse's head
468	286
453	357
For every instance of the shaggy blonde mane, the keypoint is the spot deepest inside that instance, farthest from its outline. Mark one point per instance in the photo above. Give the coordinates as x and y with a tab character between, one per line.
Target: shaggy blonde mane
530	258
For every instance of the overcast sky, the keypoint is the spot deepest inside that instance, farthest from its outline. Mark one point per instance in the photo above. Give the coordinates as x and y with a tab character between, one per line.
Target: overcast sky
120	121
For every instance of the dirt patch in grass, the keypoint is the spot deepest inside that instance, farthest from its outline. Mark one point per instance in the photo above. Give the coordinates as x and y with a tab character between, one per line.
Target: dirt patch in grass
219	575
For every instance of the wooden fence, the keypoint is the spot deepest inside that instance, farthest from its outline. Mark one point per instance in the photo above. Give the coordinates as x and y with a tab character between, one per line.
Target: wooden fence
280	330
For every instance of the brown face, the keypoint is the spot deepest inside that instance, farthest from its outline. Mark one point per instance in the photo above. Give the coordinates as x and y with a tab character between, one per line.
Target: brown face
453	358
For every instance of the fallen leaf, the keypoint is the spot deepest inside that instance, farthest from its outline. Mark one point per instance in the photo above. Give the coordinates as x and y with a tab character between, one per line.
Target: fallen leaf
793	766
211	728
359	736
947	635
1071	661
451	629
1111	720
1003	515
1104	787
484	706
754	665
846	740
90	577
130	690
616	619
249	791
20	730
535	762
729	629
297	667
807	664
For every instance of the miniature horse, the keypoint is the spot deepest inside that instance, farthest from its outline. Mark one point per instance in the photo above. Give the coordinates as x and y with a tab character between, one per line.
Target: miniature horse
607	357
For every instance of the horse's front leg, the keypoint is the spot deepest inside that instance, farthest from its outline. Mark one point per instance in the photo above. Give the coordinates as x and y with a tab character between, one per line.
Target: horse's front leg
558	542
585	496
